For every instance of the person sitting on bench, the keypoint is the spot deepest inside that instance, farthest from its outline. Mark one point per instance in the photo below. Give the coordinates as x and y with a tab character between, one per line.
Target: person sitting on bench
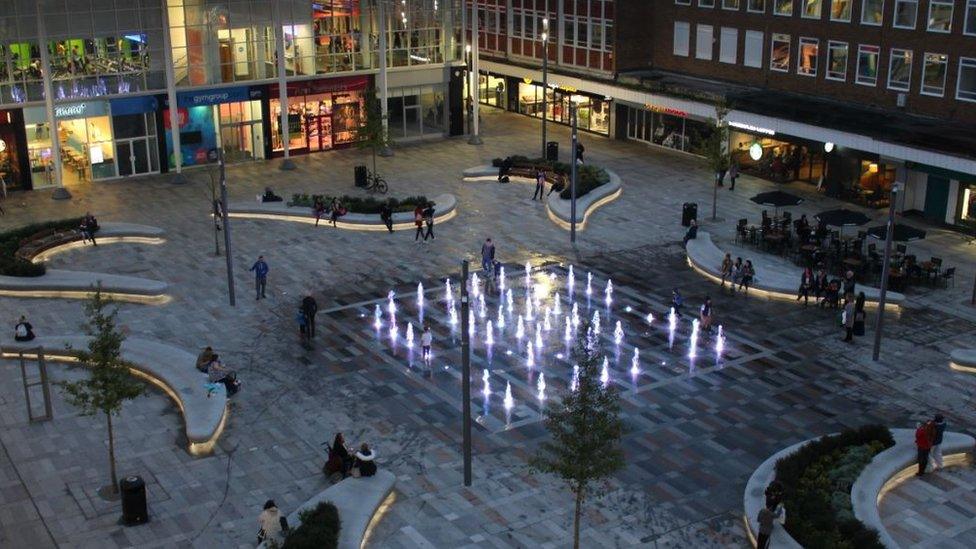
205	358
365	463
219	374
23	331
504	170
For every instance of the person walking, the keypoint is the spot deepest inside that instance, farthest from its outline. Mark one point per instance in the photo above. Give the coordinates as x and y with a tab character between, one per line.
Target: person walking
429	220
806	284
579	152
260	269
676	301
318	209
770	515
418	220
848	320
386	214
923	443
705	315
859	314
309	309
487	255
540	185
736	273
733	173
748	273
692	232
938	432
426	339
726	268
272	524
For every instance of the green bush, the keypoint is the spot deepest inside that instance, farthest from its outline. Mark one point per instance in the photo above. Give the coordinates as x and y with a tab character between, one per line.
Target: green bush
319	529
588	177
817	482
11	241
361	205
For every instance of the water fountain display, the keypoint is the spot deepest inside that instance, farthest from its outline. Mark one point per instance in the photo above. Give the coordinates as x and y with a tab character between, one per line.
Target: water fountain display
420	297
486	382
541	387
672	326
529	355
605	372
570	281
546	324
500	319
475	285
520	329
618	334
574	381
510	301
482	310
489	335
501	277
410	335
719	344
693	340
608	293
377	317
557	305
635	363
589	283
595	322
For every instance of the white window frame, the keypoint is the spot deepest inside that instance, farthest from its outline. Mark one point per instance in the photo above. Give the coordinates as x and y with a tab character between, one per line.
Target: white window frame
952	14
805	15
970	8
891	62
676	50
778	37
850	11
702	4
857	67
864	13
683	2
799	53
749	7
969	62
728	43
754	37
894	19
945	74
707	40
831	46
733	5
778	13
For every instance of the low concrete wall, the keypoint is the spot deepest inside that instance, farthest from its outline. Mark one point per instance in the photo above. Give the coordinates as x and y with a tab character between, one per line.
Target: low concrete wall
560	210
108	233
445	208
963	360
56	283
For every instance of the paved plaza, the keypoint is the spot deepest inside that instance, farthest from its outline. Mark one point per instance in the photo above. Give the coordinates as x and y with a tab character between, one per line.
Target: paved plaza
695	427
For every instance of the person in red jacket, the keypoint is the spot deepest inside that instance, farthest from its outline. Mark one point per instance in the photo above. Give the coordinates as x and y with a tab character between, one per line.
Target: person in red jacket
923	441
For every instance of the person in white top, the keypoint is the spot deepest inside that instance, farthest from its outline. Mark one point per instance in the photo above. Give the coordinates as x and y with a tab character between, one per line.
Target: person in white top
273	524
425	340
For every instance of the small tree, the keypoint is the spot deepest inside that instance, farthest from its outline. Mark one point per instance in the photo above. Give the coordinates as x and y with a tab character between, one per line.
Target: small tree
109	383
371	134
585	427
717	152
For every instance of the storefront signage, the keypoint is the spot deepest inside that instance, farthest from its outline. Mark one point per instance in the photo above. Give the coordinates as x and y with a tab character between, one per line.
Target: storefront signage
527	80
81	110
325	85
665	110
751	128
569	89
218	96
134	105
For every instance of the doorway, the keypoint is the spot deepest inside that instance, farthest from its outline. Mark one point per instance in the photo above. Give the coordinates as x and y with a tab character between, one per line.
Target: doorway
134	157
242	141
936	198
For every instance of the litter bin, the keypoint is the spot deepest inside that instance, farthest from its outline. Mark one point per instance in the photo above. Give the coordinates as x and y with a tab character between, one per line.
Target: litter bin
360	172
552	151
133	501
689	211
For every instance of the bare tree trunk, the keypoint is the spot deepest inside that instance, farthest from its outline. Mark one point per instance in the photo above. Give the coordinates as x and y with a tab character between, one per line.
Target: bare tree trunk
111	454
576	518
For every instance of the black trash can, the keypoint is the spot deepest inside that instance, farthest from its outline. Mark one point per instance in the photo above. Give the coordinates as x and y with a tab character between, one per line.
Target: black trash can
552	151
360	176
689	211
134	510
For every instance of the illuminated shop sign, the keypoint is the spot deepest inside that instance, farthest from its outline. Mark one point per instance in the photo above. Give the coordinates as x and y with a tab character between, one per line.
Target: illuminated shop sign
751	128
81	110
665	110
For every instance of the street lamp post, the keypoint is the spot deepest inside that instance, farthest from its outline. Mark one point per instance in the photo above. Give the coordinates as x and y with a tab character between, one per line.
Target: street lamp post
889	232
223	209
572	174
469	109
545	78
465	375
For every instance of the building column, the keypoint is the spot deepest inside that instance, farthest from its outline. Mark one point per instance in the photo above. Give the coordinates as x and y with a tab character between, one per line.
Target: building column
286	162
60	193
383	80
475	92
174	108
560	26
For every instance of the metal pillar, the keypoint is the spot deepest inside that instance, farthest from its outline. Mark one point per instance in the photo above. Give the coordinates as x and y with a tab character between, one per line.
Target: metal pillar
572	173
174	111
384	78
545	77
286	162
475	138
465	374
889	232
227	250
60	193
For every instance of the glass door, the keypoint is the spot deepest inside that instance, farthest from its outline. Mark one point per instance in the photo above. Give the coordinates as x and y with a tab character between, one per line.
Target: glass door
124	154
134	157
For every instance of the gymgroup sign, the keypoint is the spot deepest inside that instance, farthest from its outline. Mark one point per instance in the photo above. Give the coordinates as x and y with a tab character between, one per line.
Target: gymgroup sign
218	96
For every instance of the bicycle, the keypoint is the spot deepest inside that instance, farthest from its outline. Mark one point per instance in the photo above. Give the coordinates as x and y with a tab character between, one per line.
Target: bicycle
375	183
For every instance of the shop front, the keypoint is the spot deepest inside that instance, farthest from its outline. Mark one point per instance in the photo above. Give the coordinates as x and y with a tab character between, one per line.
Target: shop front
135	134
493	90
668	127
593	112
230	118
14	171
322	114
84	133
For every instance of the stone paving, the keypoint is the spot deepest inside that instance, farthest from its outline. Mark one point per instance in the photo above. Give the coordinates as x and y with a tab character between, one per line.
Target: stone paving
937	510
694	434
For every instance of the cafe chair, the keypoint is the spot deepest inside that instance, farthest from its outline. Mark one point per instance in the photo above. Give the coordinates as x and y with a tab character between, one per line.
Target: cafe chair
949	276
741	233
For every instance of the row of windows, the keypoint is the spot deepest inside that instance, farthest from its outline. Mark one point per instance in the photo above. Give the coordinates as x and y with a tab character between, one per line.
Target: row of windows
904	16
585	32
867	63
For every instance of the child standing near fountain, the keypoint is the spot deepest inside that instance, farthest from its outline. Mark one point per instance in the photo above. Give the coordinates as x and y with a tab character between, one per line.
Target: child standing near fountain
706	315
425	341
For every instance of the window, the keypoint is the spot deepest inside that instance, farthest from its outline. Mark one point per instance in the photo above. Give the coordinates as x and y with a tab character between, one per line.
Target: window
905	12
970	23
729	45
867	65
682	34
966	86
783	7
683	2
806	57
840	10
940	15
756	6
900	70
872	12
779	54
703	42
706	3
753	55
812	9
733	4
934	74
837	60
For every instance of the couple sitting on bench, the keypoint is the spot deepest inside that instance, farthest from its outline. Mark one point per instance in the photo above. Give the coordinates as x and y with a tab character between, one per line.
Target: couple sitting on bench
209	363
360	464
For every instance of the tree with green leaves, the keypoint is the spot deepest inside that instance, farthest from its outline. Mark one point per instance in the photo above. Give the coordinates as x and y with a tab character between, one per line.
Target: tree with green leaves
109	383
371	134
717	151
585	429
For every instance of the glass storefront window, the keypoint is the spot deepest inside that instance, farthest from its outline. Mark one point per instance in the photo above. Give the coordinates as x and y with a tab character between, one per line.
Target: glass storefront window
241	130
593	114
318	122
969	204
492	91
416	112
87	150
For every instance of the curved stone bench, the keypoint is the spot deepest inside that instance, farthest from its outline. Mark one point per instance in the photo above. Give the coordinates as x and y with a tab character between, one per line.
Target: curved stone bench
775	281
755	498
560	209
490	173
81	285
108	233
894	466
167	367
445	209
361	503
963	360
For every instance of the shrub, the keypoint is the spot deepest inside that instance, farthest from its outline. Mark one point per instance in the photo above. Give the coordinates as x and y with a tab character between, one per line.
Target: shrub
319	529
817	482
11	241
362	205
588	177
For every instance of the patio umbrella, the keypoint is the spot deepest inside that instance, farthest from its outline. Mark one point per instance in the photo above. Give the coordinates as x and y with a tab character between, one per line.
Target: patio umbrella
902	233
776	199
842	217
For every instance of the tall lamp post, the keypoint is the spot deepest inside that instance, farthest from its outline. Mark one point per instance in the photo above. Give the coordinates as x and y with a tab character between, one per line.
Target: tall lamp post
889	232
465	374
572	174
545	77
469	109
